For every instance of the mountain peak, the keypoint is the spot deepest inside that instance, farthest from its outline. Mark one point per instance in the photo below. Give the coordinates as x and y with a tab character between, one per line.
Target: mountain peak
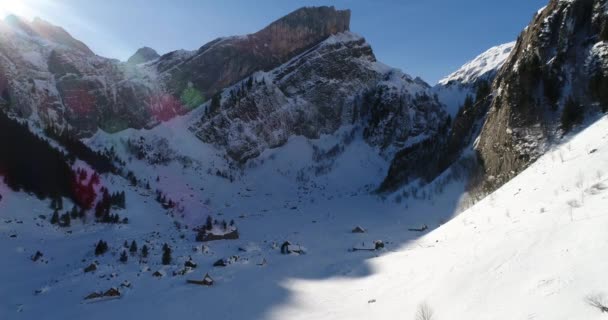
46	30
484	65
321	19
142	55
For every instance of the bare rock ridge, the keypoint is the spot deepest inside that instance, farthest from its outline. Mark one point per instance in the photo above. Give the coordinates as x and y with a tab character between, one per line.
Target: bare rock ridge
52	78
334	84
143	55
225	61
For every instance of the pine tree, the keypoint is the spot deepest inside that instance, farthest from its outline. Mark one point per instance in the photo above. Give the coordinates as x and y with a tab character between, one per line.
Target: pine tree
126	244
144	251
216	102
124	257
209	223
74	212
133	248
166	260
55	217
101	248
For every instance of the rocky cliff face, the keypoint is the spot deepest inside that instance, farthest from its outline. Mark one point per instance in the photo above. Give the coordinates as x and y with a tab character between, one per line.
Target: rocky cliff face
225	61
466	95
555	76
541	87
336	83
54	79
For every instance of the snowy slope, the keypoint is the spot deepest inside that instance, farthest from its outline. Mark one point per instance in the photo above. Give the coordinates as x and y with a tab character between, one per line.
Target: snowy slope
453	89
532	250
302	192
517	254
482	66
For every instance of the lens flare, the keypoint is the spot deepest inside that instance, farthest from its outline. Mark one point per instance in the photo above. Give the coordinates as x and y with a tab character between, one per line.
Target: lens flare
17	7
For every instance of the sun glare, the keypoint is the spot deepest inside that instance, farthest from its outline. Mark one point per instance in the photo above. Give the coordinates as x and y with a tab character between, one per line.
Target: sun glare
16	7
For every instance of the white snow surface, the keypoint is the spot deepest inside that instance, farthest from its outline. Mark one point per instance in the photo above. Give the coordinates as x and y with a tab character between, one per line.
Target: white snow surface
489	61
532	250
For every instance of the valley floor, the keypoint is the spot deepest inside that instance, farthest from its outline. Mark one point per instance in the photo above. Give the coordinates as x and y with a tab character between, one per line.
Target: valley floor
532	250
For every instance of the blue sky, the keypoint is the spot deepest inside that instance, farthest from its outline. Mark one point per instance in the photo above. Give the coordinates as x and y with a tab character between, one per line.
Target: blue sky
426	38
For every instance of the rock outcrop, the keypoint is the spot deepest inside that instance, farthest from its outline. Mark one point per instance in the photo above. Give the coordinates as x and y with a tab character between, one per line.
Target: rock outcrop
560	61
561	56
335	83
54	79
143	55
225	61
49	77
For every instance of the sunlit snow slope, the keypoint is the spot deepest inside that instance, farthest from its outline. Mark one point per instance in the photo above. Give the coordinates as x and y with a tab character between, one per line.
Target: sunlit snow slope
535	249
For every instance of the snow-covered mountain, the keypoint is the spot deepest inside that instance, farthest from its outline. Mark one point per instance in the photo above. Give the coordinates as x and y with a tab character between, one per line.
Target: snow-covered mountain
553	78
485	66
525	250
291	174
334	84
55	80
453	89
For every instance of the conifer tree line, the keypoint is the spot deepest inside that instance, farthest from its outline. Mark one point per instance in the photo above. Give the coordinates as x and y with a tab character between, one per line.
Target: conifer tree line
28	163
102	162
162	198
104	206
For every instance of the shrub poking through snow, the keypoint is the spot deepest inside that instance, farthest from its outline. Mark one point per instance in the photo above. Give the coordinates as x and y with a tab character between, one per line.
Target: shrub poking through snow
597	301
424	312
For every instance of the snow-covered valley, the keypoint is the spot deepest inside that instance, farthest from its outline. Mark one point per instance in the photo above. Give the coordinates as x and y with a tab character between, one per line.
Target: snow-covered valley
532	245
270	203
290	174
